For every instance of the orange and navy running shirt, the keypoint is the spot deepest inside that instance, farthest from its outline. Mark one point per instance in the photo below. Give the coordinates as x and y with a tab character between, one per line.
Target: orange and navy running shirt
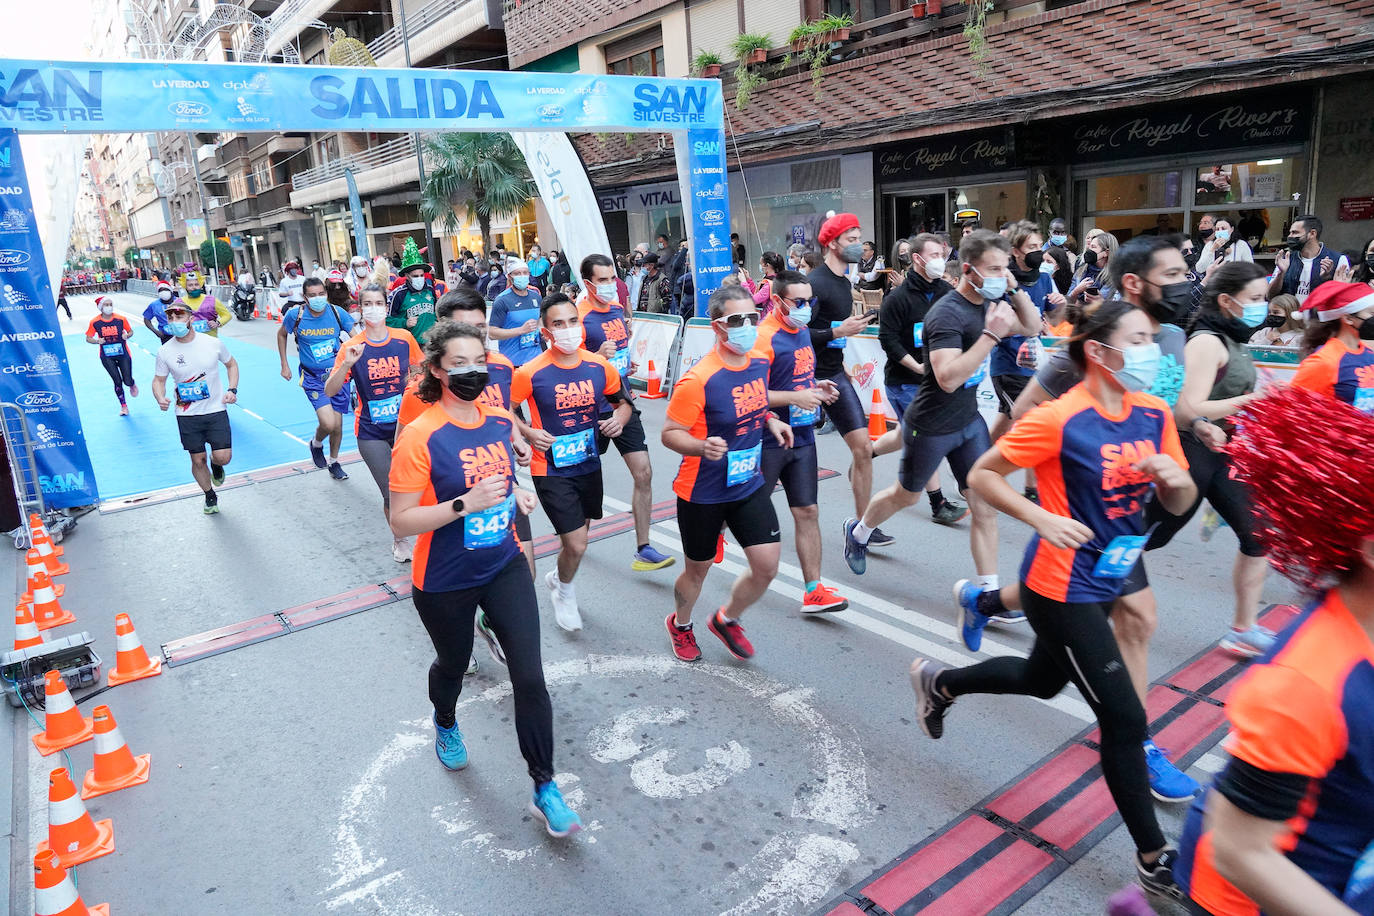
566	402
602	322
1083	458
791	367
380	374
1302	752
713	399
497	393
441	459
110	332
1341	373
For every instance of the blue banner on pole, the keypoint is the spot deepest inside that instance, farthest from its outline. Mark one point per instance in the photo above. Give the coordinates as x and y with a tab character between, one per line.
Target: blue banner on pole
33	357
712	256
96	96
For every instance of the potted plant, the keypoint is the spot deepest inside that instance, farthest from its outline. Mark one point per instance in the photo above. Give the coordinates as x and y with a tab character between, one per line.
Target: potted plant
706	64
933	7
834	28
918	9
751	49
801	36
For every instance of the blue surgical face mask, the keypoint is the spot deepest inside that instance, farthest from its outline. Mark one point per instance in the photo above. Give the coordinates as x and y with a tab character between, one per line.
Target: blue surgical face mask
993	288
741	339
1059	240
177	328
1047	266
799	317
1252	314
606	292
1139	366
520	281
318	303
854	253
1221	235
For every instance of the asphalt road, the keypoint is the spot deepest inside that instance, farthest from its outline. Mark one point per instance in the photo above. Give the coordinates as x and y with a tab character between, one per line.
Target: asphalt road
297	775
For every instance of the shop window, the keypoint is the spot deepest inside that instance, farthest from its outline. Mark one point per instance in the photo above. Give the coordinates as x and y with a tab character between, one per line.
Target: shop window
995	203
641	54
1143	191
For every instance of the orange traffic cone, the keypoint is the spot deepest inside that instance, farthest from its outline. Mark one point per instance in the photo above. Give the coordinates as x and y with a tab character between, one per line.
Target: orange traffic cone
72	834
115	765
255	312
47	612
54	894
65	726
131	659
35	564
877	420
655	383
36	527
25	630
43	544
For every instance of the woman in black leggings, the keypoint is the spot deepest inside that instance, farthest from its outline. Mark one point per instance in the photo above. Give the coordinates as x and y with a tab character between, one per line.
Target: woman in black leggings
111	333
1219	382
1100	452
453	484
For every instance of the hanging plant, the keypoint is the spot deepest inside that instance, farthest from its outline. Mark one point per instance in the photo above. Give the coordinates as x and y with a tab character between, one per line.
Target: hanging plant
975	31
814	41
706	64
746	83
751	48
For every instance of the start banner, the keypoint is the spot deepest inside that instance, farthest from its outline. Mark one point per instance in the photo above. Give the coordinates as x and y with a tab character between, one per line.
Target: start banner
33	357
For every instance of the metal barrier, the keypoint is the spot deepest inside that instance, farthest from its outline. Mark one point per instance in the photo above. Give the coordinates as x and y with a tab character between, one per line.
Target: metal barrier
27	488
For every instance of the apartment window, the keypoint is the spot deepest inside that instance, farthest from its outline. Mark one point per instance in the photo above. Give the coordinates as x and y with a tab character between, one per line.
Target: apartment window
326	149
640	54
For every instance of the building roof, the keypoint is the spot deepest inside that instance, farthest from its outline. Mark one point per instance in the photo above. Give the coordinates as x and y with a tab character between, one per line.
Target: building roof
1081	58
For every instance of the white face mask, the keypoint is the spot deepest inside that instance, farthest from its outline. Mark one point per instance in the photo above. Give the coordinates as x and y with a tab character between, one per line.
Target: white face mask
374	314
165	296
567	340
416	283
360	270
107	310
935	268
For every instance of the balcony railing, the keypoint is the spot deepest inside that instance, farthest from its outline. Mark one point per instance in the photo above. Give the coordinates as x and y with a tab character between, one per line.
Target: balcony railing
418	21
375	157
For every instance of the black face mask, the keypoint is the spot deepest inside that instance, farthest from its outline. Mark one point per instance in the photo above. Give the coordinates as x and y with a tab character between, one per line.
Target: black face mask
904	259
1367	328
1190	258
1274	321
468	385
1090	257
1295	244
1034	259
1175	299
1369	260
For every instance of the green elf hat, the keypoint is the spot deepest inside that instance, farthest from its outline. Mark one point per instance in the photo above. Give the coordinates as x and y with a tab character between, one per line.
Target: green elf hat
410	257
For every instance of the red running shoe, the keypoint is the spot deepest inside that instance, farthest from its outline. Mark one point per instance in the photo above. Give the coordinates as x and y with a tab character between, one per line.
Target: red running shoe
823	599
684	642
732	634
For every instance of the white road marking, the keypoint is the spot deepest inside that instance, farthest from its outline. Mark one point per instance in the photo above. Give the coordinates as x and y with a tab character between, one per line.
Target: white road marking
791	872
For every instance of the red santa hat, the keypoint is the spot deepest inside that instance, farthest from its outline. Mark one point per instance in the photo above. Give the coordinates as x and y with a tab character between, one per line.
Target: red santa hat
336	276
1332	300
163	284
836	226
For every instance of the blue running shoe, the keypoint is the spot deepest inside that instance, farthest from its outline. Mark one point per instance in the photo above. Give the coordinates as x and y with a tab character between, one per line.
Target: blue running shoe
449	747
317	455
650	559
855	554
880	539
548	805
1167	782
971	623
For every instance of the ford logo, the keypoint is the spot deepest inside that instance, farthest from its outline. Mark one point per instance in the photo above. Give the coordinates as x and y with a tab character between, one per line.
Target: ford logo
184	109
12	257
712	216
31	399
550	112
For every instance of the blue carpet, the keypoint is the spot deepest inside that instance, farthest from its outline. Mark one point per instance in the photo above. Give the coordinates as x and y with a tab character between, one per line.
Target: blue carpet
141	452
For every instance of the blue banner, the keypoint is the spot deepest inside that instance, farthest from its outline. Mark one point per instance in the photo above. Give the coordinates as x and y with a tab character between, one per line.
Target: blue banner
33	358
140	96
709	208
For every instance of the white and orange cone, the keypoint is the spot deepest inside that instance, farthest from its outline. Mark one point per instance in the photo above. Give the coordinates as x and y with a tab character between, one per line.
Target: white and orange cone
131	659
54	894
25	630
655	383
42	542
65	726
72	833
35	565
115	766
47	612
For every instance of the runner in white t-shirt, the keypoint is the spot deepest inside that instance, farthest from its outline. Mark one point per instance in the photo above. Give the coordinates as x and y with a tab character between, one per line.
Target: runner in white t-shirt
192	360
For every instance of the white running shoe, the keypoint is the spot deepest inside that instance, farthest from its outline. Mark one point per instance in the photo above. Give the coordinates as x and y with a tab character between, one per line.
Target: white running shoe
565	612
401	549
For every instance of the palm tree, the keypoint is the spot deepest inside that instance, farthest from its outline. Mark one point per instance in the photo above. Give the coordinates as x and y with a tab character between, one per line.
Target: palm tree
485	174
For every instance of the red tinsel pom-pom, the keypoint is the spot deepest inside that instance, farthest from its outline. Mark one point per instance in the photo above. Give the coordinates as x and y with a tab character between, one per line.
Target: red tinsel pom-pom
1308	462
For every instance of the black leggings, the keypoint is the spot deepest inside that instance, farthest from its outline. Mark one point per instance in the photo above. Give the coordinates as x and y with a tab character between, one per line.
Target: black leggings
121	369
62	304
513	612
1211	471
1074	642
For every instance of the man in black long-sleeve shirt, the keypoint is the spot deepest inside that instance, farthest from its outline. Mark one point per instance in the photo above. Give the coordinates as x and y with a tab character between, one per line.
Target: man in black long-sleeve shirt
900	323
832	321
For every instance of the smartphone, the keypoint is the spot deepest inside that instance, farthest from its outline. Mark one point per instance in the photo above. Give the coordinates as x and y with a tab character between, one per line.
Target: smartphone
871	315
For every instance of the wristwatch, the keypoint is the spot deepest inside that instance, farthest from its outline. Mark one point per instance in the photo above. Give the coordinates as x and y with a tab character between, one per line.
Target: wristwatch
458	506
232	390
